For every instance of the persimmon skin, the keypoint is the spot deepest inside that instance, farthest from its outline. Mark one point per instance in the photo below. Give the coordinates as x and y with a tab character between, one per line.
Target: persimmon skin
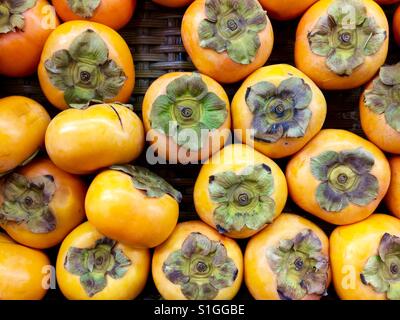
286	9
126	288
112	13
235	157
301	182
27	44
377	129
170	291
129	215
67	206
243	117
220	66
23	123
165	145
63	36
387	2
22	272
314	66
74	145
259	278
396	26
173	3
350	248
392	198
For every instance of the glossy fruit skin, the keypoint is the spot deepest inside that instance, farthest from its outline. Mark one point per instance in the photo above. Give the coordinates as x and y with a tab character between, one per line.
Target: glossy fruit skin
23	124
165	145
173	3
235	157
67	206
219	66
22	272
317	70
122	11
27	45
396	25
122	212
286	9
243	117
351	246
303	185
259	278
62	37
73	142
126	288
392	198
377	129
170	291
386	2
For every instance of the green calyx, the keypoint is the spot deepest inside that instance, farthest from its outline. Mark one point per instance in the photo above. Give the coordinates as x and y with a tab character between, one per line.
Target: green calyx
244	199
201	267
384	97
300	266
188	112
11	14
84	8
232	26
345	36
279	112
345	178
84	71
382	271
149	182
93	265
26	201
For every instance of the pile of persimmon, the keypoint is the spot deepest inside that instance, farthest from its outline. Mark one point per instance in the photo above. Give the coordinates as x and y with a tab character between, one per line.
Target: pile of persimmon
79	180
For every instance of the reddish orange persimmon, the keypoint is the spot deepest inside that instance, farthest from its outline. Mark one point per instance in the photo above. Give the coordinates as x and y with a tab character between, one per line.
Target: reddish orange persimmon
392	199
396	25
286	9
173	3
20	49
112	13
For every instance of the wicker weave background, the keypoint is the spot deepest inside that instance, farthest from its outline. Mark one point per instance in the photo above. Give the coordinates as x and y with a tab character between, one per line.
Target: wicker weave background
154	38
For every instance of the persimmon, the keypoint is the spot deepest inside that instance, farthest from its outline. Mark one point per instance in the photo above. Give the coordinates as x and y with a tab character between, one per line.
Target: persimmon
239	191
379	109
365	259
84	61
277	110
341	44
22	272
24	28
91	266
133	205
113	13
40	204
288	260
386	2
392	198
287	9
227	39
173	3
83	141
186	116
338	177
396	26
23	123
197	263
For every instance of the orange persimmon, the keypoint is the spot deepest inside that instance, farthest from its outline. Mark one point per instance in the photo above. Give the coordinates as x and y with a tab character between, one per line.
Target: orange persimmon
113	13
84	61
286	9
338	177
341	44
173	3
226	42
24	28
